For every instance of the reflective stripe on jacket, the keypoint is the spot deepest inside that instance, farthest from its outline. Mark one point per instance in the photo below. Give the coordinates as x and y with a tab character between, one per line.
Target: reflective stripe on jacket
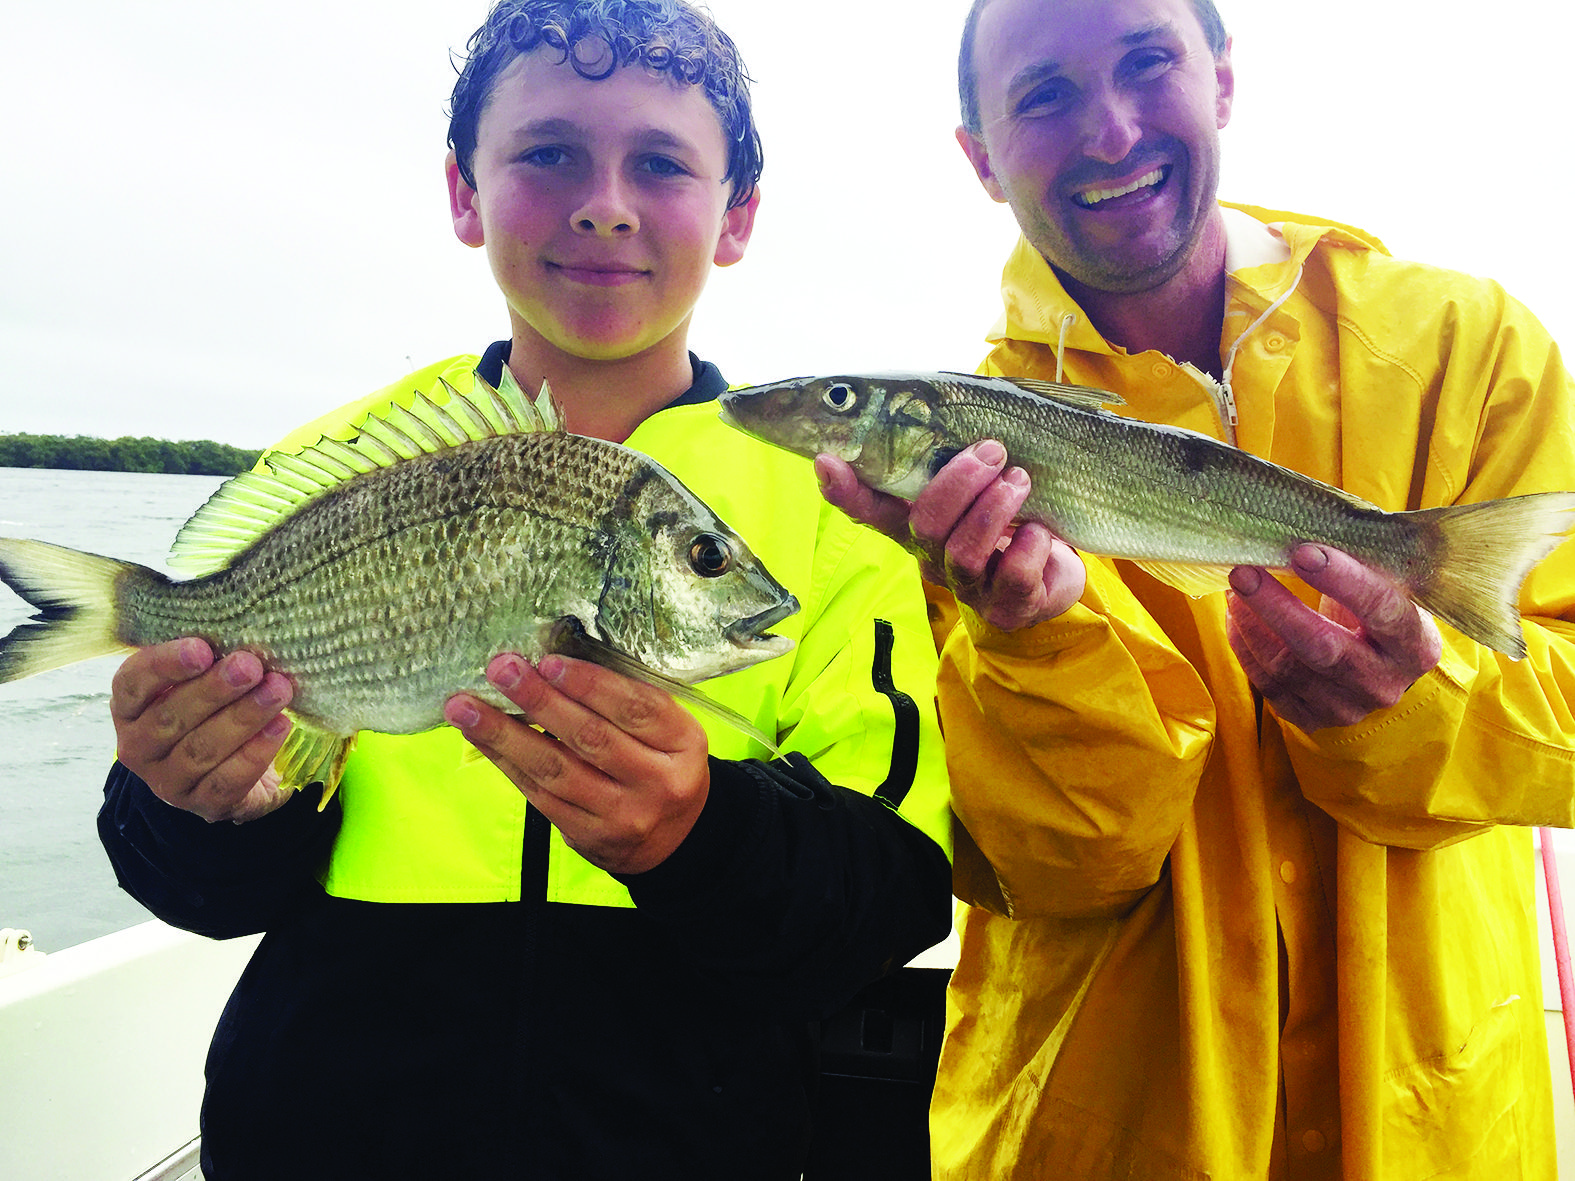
1201	942
423	822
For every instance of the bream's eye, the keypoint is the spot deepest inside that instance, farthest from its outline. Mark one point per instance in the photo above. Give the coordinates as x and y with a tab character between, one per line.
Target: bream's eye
710	556
839	397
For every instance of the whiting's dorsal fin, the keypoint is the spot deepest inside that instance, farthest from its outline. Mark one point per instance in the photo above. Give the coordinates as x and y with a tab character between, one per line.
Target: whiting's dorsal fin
246	507
1082	396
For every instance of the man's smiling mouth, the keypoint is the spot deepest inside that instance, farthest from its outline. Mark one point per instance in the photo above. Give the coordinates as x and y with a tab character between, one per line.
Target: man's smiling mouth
1093	198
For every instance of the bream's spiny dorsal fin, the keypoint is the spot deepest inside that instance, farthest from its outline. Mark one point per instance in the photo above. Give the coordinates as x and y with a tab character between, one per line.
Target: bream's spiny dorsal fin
246	507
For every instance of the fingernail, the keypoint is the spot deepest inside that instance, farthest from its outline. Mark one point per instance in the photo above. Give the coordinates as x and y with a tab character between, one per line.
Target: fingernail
552	668
195	655
1245	580
1016	477
271	692
462	713
506	674
277	726
1310	557
822	472
241	671
990	453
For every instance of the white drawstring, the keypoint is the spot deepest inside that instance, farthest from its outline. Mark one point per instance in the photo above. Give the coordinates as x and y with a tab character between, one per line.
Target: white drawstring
1230	358
1060	349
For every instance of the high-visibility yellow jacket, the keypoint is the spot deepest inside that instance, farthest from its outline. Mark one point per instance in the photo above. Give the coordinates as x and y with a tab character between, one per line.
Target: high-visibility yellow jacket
424	824
1199	941
476	1000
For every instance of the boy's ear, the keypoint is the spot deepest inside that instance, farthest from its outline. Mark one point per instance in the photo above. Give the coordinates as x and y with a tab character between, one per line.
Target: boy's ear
979	157
462	204
737	224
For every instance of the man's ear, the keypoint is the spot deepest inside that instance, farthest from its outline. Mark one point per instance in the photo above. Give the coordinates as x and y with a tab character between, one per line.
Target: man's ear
979	157
737	224
462	204
1225	86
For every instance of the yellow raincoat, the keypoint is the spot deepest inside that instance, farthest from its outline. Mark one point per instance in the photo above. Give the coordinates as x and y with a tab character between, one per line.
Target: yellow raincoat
1199	941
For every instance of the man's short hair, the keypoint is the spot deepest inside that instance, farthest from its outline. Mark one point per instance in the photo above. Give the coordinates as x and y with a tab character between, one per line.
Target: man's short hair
598	37
968	78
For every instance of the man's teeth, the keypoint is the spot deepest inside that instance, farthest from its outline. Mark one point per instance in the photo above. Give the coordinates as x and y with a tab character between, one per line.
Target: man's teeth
1091	197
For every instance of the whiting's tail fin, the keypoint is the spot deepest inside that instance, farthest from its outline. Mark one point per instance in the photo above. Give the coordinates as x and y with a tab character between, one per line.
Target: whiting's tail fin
1483	553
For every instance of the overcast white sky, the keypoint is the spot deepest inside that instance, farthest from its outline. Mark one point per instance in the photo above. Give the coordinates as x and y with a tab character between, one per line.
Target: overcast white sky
219	220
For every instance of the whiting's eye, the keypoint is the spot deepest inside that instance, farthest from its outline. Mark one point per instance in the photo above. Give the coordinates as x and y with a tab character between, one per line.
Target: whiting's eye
709	556
839	397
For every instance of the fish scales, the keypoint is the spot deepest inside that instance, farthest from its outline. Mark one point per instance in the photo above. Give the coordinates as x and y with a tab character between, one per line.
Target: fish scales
391	575
1100	481
1185	506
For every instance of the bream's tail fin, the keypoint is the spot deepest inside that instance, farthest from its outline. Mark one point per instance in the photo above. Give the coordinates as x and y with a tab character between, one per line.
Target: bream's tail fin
1483	553
74	594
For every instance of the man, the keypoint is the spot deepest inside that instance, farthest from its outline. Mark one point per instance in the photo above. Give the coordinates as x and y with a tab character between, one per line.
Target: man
598	953
1244	896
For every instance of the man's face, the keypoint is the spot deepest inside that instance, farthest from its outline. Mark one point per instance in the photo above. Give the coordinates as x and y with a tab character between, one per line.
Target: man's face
600	203
1100	128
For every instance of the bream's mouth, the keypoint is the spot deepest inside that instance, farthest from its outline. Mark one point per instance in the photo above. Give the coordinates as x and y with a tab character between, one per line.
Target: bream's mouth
1095	198
751	632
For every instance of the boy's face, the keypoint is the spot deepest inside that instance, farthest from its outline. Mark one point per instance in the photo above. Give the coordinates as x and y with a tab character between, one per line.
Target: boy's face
601	204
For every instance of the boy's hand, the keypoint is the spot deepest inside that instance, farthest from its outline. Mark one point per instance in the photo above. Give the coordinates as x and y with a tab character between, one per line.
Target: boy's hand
1360	654
202	735
960	526
621	771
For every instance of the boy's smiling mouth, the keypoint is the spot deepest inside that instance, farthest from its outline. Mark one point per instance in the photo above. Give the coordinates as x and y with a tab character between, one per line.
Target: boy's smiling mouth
598	274
1095	198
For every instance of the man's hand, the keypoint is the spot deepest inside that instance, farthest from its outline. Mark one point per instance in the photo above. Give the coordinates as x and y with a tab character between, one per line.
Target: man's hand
621	771
202	734
961	528
1366	648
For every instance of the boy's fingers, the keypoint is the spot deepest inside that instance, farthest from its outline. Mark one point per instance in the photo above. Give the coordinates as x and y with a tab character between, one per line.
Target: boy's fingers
148	672
536	764
227	734
242	786
607	700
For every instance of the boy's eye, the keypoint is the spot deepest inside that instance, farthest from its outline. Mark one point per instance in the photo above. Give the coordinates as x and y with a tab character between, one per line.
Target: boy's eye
663	166
547	156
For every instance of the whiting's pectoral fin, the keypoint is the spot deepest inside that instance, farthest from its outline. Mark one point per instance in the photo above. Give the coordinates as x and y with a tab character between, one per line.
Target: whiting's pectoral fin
1196	581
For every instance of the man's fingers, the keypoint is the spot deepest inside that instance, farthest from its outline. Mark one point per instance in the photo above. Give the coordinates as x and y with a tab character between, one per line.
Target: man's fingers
1382	611
947	499
1313	639
842	490
979	535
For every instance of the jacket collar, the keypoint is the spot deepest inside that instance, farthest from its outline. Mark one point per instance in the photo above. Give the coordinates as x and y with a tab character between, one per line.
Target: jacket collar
707	384
1264	252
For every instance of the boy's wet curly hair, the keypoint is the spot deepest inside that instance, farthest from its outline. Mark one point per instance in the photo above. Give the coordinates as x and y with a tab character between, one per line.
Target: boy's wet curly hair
598	37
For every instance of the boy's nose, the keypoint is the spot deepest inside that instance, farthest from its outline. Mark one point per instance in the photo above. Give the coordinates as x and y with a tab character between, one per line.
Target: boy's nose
605	210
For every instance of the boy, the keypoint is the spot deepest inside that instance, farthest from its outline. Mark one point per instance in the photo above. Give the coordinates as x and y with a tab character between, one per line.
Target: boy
597	954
